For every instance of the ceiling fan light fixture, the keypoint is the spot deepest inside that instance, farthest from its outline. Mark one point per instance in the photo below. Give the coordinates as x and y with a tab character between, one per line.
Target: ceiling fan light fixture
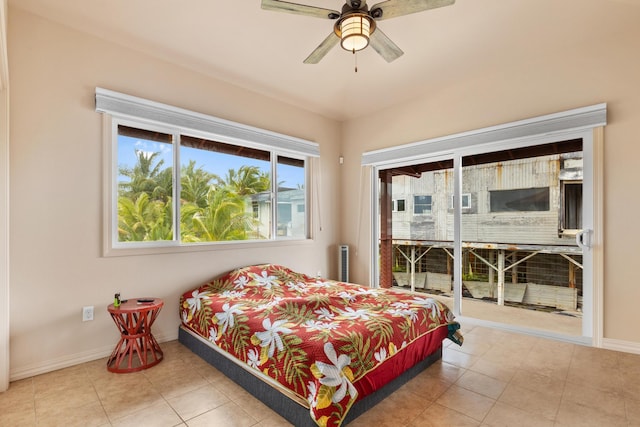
354	32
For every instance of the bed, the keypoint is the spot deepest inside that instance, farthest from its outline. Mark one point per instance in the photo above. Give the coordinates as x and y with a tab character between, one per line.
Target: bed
318	352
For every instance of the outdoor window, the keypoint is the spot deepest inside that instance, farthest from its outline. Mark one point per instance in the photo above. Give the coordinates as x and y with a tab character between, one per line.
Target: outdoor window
421	205
398	205
225	190
466	201
571	193
174	184
522	199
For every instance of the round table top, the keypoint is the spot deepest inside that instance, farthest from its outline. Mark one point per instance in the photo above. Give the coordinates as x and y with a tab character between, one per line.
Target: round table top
133	305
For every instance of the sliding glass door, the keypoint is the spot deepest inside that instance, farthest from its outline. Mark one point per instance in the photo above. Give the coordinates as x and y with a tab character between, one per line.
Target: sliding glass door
520	214
499	231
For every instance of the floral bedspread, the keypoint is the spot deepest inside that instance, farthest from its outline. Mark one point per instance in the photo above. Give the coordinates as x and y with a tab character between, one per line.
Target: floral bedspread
313	336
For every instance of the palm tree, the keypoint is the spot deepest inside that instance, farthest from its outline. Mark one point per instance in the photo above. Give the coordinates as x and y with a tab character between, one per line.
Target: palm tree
223	218
144	219
248	180
195	184
147	177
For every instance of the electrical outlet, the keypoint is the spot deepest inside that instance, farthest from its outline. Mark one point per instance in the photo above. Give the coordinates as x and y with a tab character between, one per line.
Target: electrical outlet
87	313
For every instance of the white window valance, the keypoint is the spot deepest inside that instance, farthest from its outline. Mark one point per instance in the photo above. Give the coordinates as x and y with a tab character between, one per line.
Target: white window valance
571	120
127	106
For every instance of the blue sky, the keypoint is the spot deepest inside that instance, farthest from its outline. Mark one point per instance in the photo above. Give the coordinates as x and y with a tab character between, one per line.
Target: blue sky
210	161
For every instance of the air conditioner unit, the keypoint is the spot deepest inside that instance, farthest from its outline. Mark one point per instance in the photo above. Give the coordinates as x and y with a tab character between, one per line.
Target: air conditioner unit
343	263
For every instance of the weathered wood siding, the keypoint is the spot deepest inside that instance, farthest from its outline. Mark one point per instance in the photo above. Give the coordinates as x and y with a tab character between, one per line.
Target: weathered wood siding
479	224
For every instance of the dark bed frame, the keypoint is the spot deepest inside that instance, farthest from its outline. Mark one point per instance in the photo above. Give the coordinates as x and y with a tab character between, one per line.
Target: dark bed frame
292	411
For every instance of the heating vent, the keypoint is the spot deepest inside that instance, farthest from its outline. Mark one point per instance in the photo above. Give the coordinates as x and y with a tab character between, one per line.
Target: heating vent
343	263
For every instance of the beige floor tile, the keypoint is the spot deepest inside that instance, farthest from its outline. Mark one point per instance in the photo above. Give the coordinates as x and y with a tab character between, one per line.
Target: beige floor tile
179	384
390	413
629	363
20	413
89	415
229	388
631	384
533	402
503	415
128	401
253	406
581	386
544	361
612	403
427	387
474	346
198	401
632	407
274	420
494	370
571	414
84	394
440	416
539	383
458	358
594	374
445	371
228	415
157	415
482	384
467	402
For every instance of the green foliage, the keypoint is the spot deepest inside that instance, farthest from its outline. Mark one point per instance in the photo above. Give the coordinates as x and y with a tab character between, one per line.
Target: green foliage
211	208
477	277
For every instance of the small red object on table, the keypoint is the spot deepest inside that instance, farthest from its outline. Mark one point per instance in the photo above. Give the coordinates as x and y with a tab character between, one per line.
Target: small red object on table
134	320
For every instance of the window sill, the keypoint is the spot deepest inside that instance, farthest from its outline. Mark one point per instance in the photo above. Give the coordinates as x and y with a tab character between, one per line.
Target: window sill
201	247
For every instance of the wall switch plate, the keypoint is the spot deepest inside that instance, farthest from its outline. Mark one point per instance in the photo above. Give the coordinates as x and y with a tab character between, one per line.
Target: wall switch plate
87	313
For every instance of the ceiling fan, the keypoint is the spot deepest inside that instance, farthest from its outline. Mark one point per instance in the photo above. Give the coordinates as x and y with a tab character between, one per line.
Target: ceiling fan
356	25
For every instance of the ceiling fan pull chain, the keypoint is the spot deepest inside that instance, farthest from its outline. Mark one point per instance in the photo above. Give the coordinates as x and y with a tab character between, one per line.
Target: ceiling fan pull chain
355	59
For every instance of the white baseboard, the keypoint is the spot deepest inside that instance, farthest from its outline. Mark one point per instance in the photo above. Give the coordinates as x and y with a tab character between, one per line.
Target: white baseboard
72	360
620	345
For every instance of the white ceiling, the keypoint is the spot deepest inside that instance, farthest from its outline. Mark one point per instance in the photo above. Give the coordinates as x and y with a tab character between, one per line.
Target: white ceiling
237	41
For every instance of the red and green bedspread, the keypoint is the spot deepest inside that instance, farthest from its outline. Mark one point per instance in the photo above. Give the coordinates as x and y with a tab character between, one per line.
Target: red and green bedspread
324	341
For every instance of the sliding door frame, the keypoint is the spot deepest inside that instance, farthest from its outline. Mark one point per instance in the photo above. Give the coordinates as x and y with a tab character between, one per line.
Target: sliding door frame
584	123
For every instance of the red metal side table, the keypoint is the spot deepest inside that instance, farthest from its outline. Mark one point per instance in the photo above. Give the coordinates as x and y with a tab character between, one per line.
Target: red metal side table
137	348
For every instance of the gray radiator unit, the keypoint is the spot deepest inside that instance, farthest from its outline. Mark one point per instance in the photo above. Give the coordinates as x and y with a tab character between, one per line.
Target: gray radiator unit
343	263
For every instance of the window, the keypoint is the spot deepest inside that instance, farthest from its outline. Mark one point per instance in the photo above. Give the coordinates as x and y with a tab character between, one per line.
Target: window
523	199
398	205
174	184
421	205
466	201
571	212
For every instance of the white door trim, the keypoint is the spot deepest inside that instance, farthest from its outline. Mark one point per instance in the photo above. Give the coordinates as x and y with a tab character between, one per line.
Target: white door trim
4	202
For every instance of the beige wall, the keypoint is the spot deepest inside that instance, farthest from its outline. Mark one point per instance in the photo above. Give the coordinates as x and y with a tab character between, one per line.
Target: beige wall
56	191
604	69
56	180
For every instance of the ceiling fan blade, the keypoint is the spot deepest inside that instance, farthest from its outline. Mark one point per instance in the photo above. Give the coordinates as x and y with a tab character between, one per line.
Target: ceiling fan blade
393	8
299	9
322	49
384	46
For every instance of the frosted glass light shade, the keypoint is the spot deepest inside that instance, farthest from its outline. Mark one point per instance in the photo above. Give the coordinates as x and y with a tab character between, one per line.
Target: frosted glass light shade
355	32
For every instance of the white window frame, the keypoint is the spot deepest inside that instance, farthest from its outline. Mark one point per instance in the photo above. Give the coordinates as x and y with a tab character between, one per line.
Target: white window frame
394	205
430	212
464	197
131	111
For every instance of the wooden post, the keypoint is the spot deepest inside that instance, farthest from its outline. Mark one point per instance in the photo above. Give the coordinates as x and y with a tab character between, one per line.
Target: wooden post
572	275
386	235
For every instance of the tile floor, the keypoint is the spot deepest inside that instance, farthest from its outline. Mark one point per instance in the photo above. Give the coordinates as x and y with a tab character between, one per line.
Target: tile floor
495	379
